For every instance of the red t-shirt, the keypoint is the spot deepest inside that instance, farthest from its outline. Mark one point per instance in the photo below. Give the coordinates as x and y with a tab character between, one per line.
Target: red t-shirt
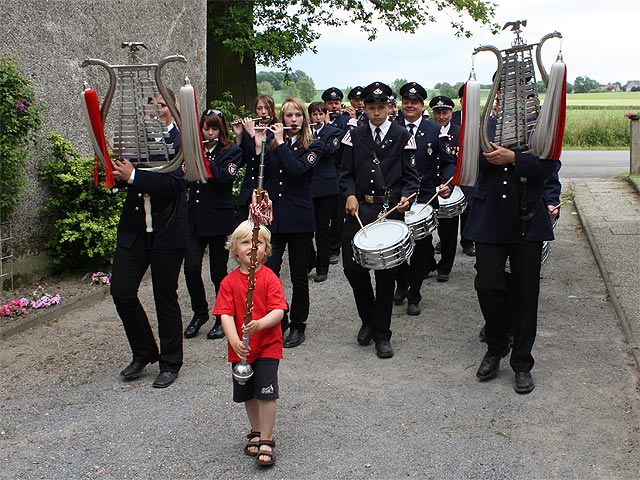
267	296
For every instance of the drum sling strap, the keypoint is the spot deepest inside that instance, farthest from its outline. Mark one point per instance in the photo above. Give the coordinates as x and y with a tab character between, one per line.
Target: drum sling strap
525	216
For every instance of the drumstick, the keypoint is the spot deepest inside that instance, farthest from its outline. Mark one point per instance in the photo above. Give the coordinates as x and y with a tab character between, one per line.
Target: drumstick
556	207
389	211
434	196
361	226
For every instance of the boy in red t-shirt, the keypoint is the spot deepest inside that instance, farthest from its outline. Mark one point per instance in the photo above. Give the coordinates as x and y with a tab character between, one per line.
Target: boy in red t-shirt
260	392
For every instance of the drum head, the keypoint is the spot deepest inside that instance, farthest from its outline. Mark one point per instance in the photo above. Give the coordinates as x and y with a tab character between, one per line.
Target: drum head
381	235
416	213
456	197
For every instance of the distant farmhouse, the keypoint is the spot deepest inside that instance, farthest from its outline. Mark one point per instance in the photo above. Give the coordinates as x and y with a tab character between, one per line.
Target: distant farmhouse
632	86
611	87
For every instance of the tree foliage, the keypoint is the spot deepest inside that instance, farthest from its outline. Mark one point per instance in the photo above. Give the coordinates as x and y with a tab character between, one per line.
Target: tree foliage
584	85
272	32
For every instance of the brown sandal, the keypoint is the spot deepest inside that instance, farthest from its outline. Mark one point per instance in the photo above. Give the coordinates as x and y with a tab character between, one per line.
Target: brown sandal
252	443
270	454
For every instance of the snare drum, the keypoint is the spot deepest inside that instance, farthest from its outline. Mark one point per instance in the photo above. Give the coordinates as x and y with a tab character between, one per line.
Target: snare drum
421	222
452	206
384	245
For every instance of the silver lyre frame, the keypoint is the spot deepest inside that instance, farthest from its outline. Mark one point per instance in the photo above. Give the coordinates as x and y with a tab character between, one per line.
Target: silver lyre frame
520	108
112	70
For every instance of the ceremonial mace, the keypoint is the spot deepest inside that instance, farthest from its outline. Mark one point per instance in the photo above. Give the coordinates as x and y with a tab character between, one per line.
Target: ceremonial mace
260	214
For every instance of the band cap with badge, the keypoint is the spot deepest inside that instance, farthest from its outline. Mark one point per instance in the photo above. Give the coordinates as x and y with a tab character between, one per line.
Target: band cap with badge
441	102
413	91
376	92
332	93
355	92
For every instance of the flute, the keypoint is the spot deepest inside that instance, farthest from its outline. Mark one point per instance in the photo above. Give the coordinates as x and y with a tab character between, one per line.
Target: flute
239	120
284	128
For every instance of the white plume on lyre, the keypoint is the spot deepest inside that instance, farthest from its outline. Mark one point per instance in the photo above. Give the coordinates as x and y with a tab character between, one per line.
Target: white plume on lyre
545	136
193	153
468	155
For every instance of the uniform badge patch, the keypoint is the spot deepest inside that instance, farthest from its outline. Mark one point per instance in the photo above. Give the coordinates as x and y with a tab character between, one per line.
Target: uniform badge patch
232	168
312	158
411	144
336	142
347	139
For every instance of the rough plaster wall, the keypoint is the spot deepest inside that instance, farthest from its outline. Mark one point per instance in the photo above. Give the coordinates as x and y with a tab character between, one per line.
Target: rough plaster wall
50	39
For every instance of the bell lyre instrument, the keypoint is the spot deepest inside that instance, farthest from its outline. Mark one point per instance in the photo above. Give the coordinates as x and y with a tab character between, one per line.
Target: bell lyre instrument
242	371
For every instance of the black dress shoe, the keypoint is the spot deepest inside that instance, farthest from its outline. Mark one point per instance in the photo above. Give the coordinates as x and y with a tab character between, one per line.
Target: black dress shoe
469	250
216	332
413	309
133	370
320	277
399	295
488	367
383	349
334	259
524	383
194	326
442	277
164	379
364	335
295	338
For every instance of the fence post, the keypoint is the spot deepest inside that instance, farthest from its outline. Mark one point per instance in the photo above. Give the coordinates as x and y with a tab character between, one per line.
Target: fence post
634	154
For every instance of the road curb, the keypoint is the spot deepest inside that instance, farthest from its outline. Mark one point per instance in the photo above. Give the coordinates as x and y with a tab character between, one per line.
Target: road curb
624	322
53	313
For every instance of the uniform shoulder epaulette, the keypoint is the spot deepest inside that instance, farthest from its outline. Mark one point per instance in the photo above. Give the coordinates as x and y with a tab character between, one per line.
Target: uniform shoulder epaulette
347	139
411	144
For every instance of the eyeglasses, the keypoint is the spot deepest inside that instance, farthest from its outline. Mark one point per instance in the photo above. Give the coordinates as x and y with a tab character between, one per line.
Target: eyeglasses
214	111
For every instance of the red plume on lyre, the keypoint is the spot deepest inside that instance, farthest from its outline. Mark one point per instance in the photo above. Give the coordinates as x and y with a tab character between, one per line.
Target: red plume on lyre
93	118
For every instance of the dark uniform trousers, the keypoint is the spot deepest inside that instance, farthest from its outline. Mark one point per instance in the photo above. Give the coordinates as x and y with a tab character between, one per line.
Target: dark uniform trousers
448	233
495	296
129	266
337	223
323	208
218	259
374	309
411	274
299	246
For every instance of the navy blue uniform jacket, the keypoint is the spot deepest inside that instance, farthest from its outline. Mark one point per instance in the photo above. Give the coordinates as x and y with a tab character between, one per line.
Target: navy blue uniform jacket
210	205
431	157
168	207
288	171
325	180
359	176
494	215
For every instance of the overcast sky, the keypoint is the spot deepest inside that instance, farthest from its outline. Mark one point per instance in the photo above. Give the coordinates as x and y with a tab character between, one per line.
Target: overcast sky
601	41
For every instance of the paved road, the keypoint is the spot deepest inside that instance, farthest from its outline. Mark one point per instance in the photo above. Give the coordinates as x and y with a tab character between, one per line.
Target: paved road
594	164
343	414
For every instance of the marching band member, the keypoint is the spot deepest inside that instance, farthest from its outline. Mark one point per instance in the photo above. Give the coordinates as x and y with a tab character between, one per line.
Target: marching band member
325	187
211	218
442	108
332	98
379	143
153	237
508	182
431	154
265	109
358	116
292	156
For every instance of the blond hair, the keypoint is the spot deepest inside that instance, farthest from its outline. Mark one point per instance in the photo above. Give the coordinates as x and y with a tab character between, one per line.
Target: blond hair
246	228
304	135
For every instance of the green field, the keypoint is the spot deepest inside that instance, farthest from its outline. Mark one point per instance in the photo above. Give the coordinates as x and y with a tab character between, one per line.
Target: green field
594	120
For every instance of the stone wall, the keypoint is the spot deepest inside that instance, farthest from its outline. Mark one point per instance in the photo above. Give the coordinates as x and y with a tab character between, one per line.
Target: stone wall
50	39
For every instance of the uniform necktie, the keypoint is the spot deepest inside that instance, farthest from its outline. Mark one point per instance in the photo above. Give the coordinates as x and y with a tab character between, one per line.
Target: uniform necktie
377	138
288	141
316	134
411	127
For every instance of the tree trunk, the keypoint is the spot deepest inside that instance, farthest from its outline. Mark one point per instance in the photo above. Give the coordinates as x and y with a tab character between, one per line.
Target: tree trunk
228	71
